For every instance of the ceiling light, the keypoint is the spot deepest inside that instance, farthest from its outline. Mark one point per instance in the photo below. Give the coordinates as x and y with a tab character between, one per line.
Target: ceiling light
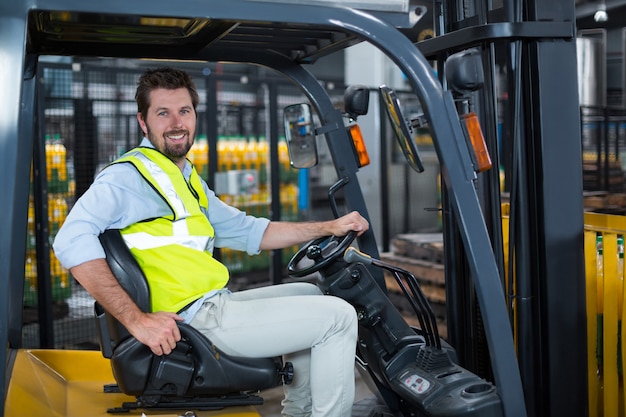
601	15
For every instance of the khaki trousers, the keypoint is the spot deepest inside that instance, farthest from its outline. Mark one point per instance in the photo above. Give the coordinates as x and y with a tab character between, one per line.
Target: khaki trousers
317	333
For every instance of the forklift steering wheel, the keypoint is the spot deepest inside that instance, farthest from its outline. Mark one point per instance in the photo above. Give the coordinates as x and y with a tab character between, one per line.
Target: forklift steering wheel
321	252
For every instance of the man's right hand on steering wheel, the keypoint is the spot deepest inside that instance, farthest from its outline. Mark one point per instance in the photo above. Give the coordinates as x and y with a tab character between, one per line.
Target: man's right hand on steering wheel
279	235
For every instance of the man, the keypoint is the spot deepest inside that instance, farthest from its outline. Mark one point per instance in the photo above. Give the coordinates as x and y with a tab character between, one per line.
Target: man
171	221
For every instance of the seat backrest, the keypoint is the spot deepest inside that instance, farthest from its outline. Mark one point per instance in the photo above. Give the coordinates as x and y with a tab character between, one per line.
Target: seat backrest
131	277
125	268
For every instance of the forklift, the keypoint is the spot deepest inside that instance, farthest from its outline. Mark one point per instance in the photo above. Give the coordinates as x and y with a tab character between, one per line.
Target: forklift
525	336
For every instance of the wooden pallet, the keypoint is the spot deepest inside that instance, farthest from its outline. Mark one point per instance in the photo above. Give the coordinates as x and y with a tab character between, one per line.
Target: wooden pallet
425	246
428	273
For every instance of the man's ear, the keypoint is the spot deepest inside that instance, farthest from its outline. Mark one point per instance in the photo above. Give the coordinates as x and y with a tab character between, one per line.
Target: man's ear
142	124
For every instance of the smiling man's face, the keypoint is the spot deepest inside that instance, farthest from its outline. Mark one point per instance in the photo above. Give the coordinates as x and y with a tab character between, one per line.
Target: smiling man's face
170	123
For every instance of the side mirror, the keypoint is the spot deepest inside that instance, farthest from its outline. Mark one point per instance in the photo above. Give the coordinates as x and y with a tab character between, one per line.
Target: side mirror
300	136
402	128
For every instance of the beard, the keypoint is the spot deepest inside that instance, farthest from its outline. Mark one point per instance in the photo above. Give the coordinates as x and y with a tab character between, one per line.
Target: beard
173	151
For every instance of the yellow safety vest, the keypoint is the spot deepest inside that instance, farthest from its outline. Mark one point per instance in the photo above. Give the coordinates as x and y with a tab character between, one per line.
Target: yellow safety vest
174	251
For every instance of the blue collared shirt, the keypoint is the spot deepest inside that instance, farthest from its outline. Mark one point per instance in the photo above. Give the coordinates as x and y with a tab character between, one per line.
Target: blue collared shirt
119	197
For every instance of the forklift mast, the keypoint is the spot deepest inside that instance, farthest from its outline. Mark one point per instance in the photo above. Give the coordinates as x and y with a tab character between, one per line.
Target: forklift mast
529	111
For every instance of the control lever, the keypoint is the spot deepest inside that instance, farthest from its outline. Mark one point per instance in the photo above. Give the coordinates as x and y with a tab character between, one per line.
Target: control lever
331	194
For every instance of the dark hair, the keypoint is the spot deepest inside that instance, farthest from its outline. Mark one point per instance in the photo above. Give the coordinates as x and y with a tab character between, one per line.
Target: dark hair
165	77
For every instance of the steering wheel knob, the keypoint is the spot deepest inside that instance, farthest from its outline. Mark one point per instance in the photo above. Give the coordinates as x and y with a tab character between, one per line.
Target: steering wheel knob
314	252
322	251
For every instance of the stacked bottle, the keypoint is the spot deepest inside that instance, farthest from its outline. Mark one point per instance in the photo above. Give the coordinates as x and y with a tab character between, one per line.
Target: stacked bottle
58	188
288	175
199	156
236	153
56	165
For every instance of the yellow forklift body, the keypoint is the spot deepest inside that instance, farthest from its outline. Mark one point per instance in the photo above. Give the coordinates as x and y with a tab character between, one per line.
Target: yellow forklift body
70	383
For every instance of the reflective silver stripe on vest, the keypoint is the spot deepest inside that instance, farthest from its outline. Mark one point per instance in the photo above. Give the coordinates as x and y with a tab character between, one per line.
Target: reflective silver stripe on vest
180	231
179	228
143	241
166	185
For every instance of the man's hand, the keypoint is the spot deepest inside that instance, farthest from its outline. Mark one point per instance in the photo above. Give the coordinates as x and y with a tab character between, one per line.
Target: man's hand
348	223
158	331
283	234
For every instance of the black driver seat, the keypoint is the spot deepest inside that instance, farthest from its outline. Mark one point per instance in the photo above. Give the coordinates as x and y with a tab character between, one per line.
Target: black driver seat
196	371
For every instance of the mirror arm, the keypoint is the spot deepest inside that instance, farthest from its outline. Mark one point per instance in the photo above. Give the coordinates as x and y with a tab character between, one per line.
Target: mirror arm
330	127
419	121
